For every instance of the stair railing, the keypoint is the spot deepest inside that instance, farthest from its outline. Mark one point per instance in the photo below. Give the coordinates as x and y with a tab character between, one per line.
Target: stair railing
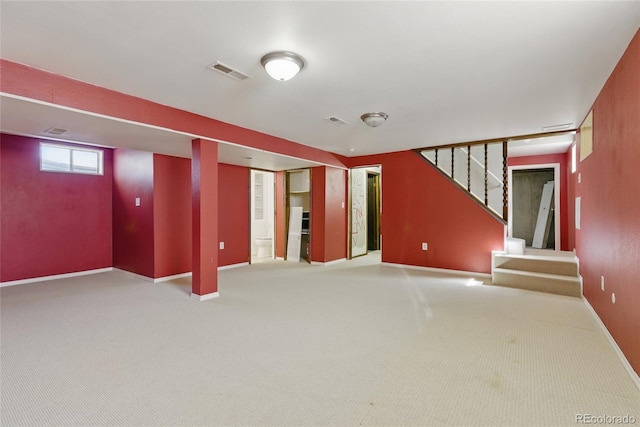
481	177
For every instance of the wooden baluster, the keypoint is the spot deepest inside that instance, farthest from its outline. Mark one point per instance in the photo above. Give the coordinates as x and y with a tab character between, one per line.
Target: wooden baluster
436	157
452	157
486	180
469	168
505	183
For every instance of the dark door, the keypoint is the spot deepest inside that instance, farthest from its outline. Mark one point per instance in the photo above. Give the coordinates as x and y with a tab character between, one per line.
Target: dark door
373	212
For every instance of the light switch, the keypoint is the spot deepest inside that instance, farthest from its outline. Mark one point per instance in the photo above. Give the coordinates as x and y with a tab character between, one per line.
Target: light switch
221	245
137	201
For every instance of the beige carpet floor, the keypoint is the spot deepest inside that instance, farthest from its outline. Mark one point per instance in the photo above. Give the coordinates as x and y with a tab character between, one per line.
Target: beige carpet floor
290	344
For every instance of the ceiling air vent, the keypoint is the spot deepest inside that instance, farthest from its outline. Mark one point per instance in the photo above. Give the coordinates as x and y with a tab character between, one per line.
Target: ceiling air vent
337	121
55	131
228	71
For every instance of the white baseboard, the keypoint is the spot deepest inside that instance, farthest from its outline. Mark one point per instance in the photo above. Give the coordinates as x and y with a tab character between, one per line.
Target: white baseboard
175	276
55	276
205	297
335	261
280	258
230	266
134	275
438	270
627	366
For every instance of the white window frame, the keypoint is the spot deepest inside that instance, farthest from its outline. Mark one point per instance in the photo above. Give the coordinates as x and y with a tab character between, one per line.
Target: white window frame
71	150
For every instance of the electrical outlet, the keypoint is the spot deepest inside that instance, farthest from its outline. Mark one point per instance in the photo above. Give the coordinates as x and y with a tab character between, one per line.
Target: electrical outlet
424	246
602	283
221	245
137	201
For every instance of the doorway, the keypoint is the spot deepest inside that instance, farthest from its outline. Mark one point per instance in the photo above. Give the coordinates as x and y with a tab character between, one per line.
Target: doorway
262	215
525	196
365	208
298	215
373	211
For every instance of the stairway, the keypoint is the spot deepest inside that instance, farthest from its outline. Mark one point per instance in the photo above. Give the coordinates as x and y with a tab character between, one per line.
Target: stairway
554	272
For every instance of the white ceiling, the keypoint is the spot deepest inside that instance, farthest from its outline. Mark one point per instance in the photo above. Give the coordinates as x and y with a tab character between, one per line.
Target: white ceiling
445	72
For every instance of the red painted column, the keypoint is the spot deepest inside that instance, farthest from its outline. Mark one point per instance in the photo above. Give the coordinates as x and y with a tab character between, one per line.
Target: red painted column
204	193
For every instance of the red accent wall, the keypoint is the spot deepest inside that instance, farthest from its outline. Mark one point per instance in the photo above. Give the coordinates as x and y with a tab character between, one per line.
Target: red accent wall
52	223
608	243
562	159
37	84
171	215
328	224
420	205
133	235
281	220
233	211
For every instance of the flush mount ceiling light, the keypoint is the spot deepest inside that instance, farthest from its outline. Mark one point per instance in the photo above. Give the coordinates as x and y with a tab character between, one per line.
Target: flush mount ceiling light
282	65
374	119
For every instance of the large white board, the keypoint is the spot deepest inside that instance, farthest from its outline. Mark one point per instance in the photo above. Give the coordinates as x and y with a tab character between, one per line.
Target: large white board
295	234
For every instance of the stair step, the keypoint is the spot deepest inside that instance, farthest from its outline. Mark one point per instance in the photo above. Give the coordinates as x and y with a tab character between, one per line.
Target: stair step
534	281
560	266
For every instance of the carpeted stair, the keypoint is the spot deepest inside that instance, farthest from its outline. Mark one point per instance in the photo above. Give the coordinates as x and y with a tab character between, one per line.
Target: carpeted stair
553	272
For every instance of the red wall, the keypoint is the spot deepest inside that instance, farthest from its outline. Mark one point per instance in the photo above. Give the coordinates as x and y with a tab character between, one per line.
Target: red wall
52	223
171	215
133	234
562	160
233	214
328	216
420	205
608	242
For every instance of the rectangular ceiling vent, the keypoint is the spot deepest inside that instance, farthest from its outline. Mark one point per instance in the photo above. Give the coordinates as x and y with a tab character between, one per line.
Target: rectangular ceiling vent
55	131
337	121
228	71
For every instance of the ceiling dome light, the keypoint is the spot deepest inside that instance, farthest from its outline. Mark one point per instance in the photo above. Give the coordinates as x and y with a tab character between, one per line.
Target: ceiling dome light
374	119
282	65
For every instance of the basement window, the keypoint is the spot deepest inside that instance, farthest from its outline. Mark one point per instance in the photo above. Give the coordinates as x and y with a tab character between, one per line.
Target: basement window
64	158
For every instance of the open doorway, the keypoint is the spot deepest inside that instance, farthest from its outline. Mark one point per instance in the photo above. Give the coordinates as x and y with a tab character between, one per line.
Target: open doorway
298	222
373	211
365	207
534	206
262	215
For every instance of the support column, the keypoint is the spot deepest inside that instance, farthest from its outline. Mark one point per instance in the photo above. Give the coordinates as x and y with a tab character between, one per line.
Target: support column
204	193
